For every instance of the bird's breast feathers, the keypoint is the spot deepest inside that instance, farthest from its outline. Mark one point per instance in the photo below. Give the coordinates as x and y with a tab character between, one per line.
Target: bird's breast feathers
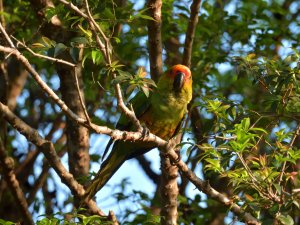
164	115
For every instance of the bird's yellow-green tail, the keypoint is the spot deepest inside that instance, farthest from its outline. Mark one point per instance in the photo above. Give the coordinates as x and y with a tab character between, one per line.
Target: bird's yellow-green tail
115	159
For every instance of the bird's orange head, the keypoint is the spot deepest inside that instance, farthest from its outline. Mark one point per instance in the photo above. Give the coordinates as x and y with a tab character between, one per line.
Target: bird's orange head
181	76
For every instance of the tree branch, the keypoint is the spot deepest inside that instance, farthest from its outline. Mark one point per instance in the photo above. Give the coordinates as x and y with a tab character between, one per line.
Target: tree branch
11	44
49	151
7	165
190	33
154	39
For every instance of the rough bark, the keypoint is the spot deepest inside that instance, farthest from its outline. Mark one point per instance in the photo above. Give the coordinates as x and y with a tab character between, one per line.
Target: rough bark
77	136
154	37
169	192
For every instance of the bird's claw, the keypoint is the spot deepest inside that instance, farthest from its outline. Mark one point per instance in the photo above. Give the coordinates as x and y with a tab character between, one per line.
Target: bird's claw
145	131
176	161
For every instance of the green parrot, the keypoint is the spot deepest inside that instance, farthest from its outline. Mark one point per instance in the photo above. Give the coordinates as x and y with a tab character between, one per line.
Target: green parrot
162	113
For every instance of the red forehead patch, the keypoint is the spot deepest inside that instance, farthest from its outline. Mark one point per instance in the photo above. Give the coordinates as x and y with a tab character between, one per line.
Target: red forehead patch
180	68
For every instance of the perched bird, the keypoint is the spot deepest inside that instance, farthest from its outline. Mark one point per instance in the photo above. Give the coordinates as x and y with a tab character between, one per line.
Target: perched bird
162	113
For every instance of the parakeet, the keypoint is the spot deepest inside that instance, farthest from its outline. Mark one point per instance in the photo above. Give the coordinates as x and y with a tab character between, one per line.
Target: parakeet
162	113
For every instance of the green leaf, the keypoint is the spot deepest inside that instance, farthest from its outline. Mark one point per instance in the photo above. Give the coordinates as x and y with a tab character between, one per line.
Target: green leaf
146	17
286	220
296	203
246	123
96	56
88	33
145	90
59	48
79	40
38	45
130	89
74	52
4	222
47	42
149	81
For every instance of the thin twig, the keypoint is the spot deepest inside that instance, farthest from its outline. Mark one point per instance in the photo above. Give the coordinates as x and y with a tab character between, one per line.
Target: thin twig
11	44
296	134
106	40
42	83
81	99
42	56
2	18
107	54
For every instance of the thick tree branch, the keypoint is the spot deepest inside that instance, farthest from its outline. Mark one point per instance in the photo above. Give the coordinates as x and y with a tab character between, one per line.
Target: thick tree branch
154	39
190	33
169	191
7	165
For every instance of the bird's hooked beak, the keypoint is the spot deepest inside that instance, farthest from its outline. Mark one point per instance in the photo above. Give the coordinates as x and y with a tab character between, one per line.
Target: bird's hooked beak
178	81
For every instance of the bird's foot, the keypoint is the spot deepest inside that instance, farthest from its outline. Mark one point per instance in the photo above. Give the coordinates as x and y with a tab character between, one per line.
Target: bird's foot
145	131
176	161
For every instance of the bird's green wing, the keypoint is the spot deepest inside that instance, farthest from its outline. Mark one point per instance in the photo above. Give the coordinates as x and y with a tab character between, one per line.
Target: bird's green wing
140	104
